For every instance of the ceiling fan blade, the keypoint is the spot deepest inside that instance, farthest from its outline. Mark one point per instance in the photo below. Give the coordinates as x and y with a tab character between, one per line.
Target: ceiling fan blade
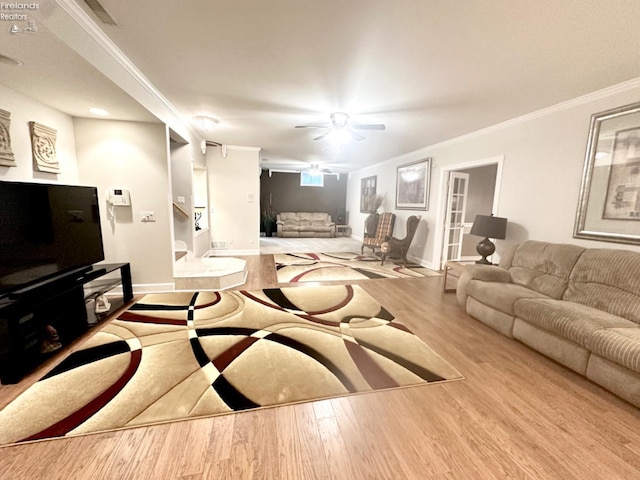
368	126
356	136
320	137
312	126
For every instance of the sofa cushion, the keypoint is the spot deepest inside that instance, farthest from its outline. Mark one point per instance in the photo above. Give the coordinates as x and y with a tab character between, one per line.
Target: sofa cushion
544	267
608	280
320	217
290	227
573	321
498	295
288	217
304	216
620	345
502	322
313	228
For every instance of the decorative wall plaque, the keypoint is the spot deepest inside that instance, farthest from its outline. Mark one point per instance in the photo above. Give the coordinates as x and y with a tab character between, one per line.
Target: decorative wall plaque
6	154
43	148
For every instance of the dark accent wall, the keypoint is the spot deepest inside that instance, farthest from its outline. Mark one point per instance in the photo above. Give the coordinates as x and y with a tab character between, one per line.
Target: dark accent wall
288	196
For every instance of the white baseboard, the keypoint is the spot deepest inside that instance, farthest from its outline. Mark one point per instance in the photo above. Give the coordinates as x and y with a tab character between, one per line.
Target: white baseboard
229	253
422	262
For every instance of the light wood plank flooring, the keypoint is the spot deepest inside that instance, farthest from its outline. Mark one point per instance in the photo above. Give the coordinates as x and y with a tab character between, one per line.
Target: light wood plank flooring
309	245
517	415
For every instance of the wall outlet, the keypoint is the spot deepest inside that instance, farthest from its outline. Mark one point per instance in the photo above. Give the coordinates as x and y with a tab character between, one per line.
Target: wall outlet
180	200
147	216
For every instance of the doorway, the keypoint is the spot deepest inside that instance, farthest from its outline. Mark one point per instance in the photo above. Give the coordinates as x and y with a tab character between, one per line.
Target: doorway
468	189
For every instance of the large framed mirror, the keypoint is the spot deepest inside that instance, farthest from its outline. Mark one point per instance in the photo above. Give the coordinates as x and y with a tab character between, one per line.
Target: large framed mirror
609	204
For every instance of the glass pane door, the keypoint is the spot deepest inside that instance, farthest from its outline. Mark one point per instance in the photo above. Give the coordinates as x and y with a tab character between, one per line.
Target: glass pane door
455	217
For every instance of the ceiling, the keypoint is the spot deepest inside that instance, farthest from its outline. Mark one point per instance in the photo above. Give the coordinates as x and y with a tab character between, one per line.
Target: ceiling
427	69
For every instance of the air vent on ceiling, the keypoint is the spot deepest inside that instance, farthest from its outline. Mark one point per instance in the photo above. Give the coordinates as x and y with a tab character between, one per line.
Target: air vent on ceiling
97	8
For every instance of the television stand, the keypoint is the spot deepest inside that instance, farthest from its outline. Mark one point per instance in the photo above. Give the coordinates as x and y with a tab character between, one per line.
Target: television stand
39	322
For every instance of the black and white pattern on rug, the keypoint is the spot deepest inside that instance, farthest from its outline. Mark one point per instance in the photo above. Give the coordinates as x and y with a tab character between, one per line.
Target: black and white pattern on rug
181	355
326	267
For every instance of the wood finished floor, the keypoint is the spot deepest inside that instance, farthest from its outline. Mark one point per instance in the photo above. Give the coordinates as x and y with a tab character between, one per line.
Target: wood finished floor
517	415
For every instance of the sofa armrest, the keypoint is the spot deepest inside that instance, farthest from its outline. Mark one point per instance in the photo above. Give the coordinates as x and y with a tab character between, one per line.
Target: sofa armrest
486	273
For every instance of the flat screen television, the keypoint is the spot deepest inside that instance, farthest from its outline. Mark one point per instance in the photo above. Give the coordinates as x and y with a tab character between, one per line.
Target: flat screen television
46	230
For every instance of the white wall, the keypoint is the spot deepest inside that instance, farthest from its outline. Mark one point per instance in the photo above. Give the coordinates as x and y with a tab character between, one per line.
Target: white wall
234	196
201	240
544	156
134	156
24	110
182	186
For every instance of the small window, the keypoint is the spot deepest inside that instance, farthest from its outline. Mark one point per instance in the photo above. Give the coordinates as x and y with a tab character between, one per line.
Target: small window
311	179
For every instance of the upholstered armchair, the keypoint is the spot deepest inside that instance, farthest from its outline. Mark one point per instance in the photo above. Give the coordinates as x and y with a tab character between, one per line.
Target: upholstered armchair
383	232
399	247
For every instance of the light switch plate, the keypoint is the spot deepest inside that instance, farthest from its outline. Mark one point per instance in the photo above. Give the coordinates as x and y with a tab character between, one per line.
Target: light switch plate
147	216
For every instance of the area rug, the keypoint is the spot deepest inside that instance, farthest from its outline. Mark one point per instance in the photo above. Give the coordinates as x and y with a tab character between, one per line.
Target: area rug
327	267
180	355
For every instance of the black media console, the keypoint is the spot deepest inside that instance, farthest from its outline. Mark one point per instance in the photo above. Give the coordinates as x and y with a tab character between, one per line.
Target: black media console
38	322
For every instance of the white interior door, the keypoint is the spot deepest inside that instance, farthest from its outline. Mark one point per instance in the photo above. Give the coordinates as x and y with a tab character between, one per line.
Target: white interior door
458	187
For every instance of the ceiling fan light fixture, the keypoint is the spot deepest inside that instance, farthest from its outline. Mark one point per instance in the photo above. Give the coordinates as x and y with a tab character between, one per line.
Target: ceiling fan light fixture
340	136
340	130
339	119
314	170
206	123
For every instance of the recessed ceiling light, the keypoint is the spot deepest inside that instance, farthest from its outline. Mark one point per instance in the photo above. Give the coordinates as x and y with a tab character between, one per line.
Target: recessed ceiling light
205	122
99	111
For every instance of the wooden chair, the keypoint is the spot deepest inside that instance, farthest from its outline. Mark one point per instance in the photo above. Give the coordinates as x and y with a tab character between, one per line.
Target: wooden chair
384	231
398	248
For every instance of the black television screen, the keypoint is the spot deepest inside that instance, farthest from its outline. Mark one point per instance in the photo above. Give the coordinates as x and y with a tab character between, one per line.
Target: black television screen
46	230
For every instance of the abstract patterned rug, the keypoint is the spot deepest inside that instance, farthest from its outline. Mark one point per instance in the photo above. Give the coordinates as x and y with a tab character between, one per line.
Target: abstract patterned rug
326	267
181	355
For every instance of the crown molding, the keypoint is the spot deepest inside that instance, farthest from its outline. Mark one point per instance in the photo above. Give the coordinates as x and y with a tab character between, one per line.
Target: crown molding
574	102
558	107
241	147
82	19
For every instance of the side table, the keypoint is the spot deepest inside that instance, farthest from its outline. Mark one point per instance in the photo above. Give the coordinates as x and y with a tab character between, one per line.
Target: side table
343	231
453	269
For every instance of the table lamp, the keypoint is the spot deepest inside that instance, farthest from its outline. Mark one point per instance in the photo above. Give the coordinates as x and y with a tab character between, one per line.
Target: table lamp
488	226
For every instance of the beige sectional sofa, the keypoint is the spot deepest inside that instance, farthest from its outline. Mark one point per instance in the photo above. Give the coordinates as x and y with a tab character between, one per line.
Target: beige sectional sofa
305	224
578	306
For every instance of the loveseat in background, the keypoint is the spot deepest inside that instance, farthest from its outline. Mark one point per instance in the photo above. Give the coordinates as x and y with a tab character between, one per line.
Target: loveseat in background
305	224
578	306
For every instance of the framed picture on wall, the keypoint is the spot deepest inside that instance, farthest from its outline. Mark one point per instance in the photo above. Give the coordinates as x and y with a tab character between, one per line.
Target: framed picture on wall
412	185
609	203
368	187
7	158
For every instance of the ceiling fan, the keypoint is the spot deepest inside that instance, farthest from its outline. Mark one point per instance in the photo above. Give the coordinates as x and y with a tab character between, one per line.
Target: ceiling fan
340	123
315	168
